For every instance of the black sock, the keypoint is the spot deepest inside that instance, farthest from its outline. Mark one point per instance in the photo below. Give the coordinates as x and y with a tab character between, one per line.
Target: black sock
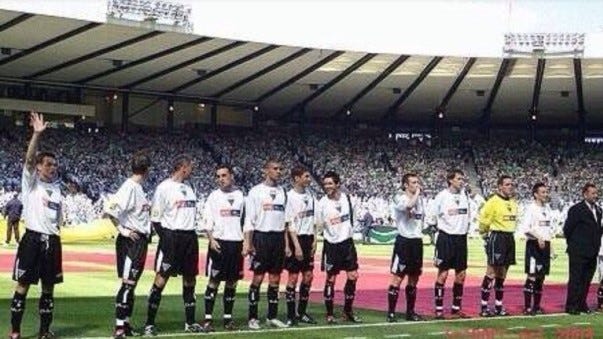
210	299
254	298
392	299
304	296
17	307
499	293
122	304
329	294
272	295
486	287
153	306
349	291
45	307
411	298
290	298
457	296
229	299
439	297
190	303
538	292
528	293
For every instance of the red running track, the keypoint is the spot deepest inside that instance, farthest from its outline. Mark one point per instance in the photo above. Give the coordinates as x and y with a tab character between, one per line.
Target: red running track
372	285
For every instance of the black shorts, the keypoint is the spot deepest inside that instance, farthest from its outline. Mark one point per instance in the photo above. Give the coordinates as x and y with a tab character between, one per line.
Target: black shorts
500	249
177	253
339	257
39	257
537	261
407	257
131	256
227	265
451	251
307	263
269	256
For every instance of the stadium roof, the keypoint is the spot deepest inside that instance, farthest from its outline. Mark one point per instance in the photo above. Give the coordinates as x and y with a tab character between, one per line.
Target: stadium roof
283	79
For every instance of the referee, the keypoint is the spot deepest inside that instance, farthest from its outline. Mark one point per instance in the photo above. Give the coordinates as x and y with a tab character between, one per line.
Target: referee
497	223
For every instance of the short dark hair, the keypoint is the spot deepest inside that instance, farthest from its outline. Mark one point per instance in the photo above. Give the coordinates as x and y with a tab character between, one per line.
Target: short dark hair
452	173
298	171
333	175
224	166
140	163
587	186
407	176
536	187
502	179
44	154
271	160
180	161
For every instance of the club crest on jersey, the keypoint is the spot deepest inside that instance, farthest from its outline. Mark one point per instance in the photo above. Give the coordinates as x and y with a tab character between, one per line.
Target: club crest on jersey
338	207
183	190
306	201
49	192
273	194
230	199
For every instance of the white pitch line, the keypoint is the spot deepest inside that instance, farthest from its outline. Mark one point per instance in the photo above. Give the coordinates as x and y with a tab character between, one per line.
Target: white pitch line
582	324
403	335
436	333
516	328
336	327
549	325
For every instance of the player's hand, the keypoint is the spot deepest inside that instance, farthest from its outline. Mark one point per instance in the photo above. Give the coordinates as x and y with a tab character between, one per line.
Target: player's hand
299	255
134	236
287	252
214	245
37	122
314	248
541	244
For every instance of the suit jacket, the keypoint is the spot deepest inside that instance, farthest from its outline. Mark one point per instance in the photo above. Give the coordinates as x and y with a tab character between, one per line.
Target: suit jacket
583	231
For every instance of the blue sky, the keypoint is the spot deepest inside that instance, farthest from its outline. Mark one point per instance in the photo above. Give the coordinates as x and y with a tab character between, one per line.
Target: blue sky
444	27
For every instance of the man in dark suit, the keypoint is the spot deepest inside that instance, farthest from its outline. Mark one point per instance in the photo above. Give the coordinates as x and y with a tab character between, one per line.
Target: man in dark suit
582	232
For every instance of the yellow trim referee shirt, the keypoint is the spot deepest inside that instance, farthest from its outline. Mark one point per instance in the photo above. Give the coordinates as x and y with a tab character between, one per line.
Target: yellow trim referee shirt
498	214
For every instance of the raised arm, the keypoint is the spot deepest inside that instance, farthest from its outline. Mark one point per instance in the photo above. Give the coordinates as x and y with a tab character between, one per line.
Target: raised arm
37	122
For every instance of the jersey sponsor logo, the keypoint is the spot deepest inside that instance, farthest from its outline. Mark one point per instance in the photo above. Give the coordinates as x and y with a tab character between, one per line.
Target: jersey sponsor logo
339	220
55	206
228	212
544	223
457	211
509	217
305	214
273	207
185	204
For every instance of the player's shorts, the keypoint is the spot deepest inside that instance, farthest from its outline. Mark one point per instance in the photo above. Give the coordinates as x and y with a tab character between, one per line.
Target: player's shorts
451	251
269	256
307	263
177	253
407	257
39	257
226	265
537	261
131	256
339	257
500	249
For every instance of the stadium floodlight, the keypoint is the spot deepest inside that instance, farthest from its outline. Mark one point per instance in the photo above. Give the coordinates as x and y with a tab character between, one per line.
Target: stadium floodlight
157	11
544	44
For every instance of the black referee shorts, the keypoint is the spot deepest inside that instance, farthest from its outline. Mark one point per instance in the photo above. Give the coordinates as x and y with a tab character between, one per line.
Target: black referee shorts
39	257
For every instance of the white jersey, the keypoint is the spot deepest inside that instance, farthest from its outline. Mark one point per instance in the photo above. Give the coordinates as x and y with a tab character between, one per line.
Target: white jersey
336	218
131	207
223	215
42	204
266	209
174	206
538	220
451	210
302	216
409	220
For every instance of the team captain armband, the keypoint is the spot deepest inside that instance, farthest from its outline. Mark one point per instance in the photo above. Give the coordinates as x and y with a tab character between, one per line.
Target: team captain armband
509	217
230	213
457	211
273	207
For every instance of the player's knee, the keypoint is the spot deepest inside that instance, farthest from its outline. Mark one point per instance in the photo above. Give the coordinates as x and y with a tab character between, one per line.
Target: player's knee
396	280
353	275
189	281
460	277
274	279
22	288
48	288
308	277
